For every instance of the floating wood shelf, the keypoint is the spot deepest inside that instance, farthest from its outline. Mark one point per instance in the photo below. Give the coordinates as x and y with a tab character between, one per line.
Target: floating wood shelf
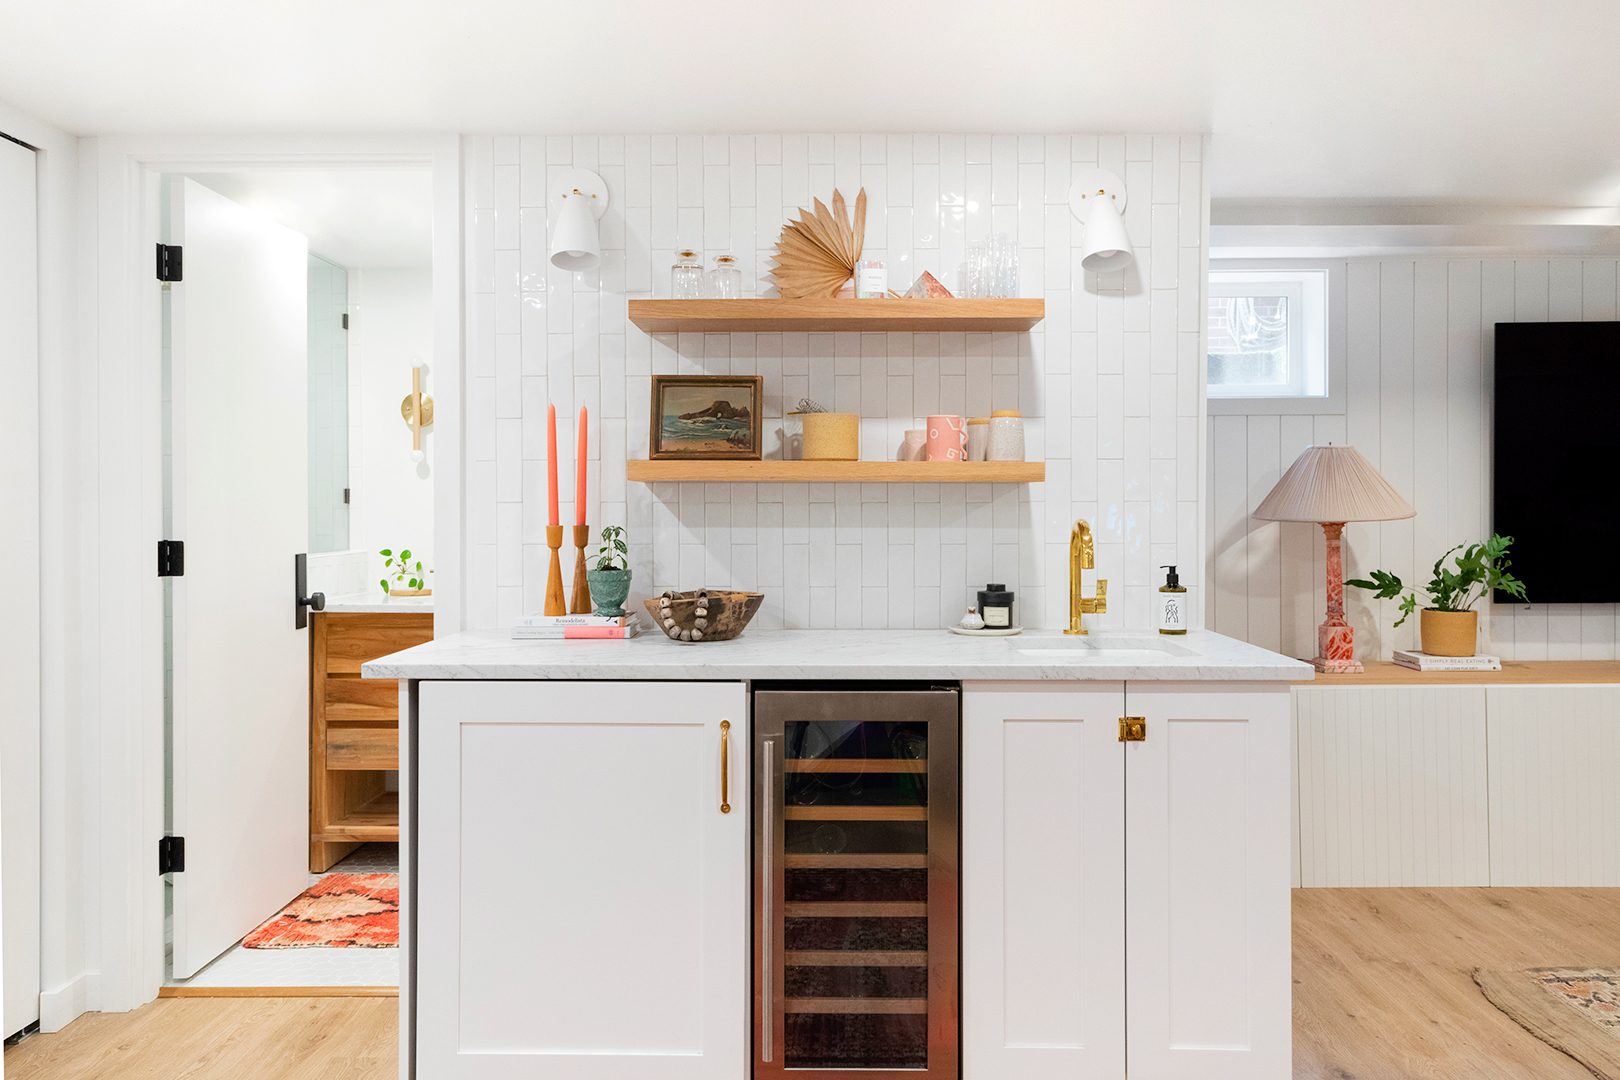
770	316
837	472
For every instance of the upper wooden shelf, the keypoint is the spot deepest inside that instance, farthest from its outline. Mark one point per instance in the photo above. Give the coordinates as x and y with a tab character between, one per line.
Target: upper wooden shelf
681	470
768	316
1388	673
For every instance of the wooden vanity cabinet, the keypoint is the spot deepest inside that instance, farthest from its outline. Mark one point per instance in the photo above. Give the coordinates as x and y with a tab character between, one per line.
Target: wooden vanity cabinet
354	729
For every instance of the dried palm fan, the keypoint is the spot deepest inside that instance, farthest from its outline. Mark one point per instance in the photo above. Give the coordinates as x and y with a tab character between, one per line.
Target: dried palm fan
818	253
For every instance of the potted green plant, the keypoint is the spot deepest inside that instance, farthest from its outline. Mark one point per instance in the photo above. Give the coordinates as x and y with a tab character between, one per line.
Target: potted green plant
610	580
1449	625
403	578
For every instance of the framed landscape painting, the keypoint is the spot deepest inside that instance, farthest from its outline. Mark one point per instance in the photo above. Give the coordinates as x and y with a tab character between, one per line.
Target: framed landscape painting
706	416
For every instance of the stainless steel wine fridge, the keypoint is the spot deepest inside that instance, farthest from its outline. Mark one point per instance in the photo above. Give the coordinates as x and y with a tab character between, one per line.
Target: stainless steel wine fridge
856	841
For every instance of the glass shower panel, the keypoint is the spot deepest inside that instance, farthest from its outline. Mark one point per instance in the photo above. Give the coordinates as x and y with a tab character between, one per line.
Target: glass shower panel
328	406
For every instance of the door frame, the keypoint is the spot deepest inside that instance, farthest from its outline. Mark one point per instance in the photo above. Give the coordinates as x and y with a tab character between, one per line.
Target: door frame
119	192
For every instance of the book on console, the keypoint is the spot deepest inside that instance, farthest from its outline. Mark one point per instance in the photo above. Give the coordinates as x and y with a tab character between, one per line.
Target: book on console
1422	661
576	633
572	620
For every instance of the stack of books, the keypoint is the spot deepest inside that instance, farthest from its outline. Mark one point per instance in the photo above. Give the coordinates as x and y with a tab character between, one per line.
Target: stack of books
576	626
1422	661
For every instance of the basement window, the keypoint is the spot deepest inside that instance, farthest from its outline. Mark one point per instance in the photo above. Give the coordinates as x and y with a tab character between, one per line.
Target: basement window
1268	334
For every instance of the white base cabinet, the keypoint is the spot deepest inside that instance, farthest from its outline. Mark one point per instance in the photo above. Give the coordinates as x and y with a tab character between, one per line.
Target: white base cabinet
587	898
1126	905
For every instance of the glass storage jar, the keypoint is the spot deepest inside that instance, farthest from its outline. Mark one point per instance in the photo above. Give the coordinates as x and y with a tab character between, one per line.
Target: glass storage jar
686	276
725	279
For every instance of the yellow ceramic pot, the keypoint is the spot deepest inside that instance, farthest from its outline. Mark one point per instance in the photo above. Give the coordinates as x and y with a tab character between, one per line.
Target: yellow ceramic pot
832	436
1449	633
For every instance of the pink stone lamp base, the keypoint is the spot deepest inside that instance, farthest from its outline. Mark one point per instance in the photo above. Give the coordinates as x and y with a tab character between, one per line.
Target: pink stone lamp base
1335	638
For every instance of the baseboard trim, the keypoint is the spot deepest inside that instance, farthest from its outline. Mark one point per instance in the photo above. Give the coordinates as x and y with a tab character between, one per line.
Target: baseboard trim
60	1007
276	991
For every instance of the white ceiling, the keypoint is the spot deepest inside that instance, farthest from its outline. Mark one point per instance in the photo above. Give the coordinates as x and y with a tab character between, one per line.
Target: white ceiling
1375	101
373	218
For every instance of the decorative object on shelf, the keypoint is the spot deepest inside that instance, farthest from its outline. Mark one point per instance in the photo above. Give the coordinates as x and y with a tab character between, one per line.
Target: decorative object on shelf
725	279
947	438
579	600
1172	603
1450	625
1332	485
1417	660
978	438
773	315
579	198
996	606
704	615
972	620
554	533
992	268
871	280
610	580
913	444
401	570
417	409
1097	198
1006	436
686	276
706	416
832	436
817	254
927	286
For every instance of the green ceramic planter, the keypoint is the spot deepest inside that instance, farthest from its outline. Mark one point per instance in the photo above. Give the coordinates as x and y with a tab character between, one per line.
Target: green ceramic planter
608	590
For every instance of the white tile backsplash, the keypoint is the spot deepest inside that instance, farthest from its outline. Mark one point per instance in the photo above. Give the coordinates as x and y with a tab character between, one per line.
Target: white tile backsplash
829	555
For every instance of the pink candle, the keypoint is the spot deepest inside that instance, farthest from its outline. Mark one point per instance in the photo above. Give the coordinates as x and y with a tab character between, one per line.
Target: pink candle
579	465
551	461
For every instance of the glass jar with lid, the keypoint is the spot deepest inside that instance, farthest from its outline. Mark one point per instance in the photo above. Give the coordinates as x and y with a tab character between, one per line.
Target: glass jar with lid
686	276
725	278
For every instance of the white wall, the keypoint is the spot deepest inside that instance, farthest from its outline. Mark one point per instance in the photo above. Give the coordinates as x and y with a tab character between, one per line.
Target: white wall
390	324
1110	384
1419	353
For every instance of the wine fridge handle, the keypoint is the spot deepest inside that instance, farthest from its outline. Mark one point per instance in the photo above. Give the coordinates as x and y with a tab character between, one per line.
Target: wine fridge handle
725	766
767	922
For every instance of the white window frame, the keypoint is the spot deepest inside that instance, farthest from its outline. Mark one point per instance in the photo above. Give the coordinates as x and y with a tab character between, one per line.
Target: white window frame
1286	277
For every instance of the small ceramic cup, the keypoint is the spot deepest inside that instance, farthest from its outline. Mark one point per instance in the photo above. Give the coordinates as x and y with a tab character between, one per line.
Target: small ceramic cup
946	438
912	447
978	437
1006	436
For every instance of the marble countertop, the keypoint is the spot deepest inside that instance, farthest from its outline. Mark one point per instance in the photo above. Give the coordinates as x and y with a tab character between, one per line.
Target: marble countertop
1199	656
378	602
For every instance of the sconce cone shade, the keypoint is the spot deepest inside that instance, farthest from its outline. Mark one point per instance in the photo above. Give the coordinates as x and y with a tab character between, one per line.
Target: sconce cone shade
575	242
1333	483
1105	247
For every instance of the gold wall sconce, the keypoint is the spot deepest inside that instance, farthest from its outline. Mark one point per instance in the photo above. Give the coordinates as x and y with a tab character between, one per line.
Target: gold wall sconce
417	409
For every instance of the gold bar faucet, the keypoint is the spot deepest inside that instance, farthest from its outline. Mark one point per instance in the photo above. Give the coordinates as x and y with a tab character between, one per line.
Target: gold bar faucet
1081	558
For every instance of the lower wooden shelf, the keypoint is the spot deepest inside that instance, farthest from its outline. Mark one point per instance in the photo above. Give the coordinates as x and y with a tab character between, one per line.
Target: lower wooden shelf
836	472
376	821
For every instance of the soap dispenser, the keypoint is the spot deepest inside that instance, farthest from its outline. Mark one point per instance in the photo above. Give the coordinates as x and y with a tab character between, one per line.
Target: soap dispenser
1172	604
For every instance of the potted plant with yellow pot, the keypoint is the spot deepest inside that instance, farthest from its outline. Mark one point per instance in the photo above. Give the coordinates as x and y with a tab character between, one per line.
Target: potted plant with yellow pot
1449	625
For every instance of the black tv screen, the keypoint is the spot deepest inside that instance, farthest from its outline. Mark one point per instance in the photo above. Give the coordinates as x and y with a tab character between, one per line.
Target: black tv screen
1557	442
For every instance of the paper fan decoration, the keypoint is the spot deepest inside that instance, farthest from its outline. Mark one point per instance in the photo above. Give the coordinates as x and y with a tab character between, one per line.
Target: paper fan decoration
817	254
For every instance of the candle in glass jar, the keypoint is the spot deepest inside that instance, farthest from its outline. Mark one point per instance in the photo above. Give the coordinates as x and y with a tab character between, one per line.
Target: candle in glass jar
579	472
551	462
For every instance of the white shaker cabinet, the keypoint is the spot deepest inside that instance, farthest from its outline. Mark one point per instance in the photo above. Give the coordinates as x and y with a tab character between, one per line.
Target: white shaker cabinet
590	897
1126	905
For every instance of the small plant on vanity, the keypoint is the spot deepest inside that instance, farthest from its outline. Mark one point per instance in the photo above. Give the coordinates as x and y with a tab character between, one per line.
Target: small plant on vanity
1449	622
404	577
610	580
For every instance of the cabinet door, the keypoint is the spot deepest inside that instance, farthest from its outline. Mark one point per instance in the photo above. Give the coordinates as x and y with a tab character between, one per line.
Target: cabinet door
1043	894
582	896
1208	987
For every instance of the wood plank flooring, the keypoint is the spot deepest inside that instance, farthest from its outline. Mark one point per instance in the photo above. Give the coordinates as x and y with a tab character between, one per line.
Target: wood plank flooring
1382	986
1382	991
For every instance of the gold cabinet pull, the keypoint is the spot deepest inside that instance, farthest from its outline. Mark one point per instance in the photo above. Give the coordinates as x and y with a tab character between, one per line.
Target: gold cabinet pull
1133	729
725	766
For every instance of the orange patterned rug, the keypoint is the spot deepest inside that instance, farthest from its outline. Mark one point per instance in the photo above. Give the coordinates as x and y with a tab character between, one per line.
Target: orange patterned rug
343	911
1576	1010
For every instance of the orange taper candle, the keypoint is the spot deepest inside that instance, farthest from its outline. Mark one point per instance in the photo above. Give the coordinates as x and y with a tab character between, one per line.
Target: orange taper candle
551	461
579	483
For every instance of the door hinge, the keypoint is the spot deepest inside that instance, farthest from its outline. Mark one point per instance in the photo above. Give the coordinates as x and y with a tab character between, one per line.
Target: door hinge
1133	729
345	496
171	854
168	262
345	320
171	558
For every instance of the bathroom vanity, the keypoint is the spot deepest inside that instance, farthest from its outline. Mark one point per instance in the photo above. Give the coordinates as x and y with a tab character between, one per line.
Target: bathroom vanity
585	822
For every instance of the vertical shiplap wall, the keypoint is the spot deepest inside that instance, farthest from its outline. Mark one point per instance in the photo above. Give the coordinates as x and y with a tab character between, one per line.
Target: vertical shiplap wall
1110	384
1419	351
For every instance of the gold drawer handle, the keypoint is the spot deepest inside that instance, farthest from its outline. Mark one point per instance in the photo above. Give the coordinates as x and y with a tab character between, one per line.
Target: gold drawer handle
725	766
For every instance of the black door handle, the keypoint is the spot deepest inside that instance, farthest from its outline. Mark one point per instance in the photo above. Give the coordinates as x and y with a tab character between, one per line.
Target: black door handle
300	601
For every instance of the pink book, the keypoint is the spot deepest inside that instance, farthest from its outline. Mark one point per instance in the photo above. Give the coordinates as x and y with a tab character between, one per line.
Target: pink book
598	631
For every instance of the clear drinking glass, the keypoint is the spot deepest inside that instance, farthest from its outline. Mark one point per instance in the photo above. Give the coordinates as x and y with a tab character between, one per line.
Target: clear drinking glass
686	276
725	279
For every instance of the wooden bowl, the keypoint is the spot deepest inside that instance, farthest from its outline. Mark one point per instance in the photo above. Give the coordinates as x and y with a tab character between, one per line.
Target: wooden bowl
704	615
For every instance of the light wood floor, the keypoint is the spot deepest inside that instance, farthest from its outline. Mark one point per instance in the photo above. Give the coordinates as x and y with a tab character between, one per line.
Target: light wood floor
1382	986
1381	992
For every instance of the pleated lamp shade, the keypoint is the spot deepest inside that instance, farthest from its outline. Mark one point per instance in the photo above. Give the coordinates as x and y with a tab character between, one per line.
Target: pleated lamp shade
1333	483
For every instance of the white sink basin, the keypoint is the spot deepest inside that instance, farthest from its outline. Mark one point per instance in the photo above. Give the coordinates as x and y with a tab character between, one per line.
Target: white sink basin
1101	650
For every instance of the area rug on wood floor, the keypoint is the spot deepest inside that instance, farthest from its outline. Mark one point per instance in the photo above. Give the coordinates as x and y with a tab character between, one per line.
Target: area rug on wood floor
342	911
1576	1010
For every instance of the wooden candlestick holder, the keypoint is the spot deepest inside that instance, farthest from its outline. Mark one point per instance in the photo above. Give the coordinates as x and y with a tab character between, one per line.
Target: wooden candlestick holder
579	602
554	593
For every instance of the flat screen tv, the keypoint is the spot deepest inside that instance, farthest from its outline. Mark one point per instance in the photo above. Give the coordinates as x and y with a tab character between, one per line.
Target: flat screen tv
1557	454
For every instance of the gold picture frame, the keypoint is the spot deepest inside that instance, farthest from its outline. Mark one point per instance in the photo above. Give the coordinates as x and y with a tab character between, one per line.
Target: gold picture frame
706	417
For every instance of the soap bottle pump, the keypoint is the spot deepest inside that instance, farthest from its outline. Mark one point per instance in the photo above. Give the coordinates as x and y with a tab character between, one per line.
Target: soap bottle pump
1172	604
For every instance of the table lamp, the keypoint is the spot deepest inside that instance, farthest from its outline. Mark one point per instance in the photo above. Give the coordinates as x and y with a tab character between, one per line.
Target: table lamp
1332	485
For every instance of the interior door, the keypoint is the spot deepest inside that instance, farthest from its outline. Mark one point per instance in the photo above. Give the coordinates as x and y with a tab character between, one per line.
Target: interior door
240	504
19	554
1208	990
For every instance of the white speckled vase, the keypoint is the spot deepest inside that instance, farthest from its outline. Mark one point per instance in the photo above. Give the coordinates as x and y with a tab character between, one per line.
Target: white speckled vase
1006	436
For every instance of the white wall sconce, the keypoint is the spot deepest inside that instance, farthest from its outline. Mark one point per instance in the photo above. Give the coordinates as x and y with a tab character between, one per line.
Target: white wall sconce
1097	198
579	198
